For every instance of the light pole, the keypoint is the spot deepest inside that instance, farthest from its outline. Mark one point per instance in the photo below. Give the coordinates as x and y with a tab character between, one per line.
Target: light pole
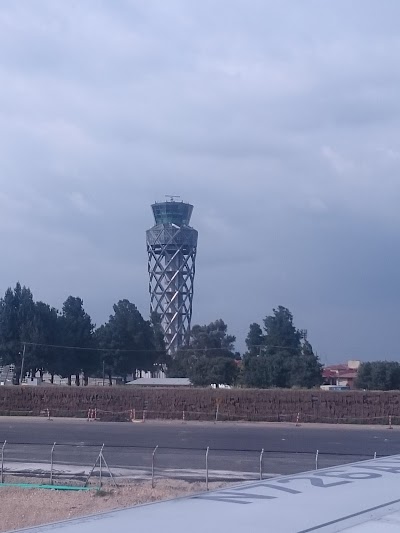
22	365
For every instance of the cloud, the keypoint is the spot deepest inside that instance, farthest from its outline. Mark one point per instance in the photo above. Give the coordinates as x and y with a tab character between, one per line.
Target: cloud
79	201
337	161
280	123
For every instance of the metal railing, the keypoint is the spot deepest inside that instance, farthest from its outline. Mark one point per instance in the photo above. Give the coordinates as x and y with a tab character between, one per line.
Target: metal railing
84	464
218	414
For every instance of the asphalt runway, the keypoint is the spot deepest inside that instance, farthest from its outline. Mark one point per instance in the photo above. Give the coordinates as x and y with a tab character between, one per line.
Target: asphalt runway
234	447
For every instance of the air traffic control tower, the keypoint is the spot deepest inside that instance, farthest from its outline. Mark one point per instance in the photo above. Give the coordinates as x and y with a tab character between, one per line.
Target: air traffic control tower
171	249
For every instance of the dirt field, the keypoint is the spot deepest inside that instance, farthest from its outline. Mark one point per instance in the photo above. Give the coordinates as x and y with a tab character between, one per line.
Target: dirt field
29	507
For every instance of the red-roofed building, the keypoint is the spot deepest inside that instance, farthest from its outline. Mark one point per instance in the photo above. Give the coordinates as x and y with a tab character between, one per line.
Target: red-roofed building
342	375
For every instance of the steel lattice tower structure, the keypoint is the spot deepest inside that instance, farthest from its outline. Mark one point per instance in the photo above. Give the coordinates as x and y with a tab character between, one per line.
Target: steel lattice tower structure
171	249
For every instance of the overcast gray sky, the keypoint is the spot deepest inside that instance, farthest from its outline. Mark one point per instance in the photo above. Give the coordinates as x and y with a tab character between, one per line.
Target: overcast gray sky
278	120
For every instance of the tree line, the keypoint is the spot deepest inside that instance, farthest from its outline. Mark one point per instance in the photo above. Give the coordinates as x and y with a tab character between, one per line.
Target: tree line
379	375
67	343
278	355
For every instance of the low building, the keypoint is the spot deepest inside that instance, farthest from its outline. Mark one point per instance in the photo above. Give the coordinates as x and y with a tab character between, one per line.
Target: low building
161	382
342	375
6	374
33	382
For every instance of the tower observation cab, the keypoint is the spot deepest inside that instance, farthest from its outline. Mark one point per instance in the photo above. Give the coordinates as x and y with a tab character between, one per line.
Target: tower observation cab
171	250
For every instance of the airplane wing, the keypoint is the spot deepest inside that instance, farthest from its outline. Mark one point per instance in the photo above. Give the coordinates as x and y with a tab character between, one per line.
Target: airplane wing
361	497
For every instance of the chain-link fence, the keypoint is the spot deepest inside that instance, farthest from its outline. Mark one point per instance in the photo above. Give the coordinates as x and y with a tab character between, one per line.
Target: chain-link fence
63	463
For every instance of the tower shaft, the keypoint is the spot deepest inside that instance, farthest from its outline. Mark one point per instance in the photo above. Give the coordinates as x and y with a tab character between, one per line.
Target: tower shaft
171	249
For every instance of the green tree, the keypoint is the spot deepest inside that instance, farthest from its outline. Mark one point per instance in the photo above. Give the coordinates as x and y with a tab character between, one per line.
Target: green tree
255	340
17	311
214	371
364	376
102	338
182	363
76	334
212	339
305	372
129	339
43	334
256	372
379	375
281	333
209	341
285	359
306	369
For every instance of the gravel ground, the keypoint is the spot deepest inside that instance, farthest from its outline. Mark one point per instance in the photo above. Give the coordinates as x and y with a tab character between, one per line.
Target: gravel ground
21	508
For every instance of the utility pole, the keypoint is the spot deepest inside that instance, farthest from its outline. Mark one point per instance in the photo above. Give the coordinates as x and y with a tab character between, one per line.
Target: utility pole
22	365
104	371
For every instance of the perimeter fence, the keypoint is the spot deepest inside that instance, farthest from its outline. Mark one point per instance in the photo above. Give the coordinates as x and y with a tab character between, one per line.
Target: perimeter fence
217	415
82	464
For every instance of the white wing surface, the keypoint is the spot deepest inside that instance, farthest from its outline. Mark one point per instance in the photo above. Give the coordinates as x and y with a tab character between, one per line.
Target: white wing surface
360	497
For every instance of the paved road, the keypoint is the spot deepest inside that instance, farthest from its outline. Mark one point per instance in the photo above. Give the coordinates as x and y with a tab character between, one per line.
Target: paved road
233	446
